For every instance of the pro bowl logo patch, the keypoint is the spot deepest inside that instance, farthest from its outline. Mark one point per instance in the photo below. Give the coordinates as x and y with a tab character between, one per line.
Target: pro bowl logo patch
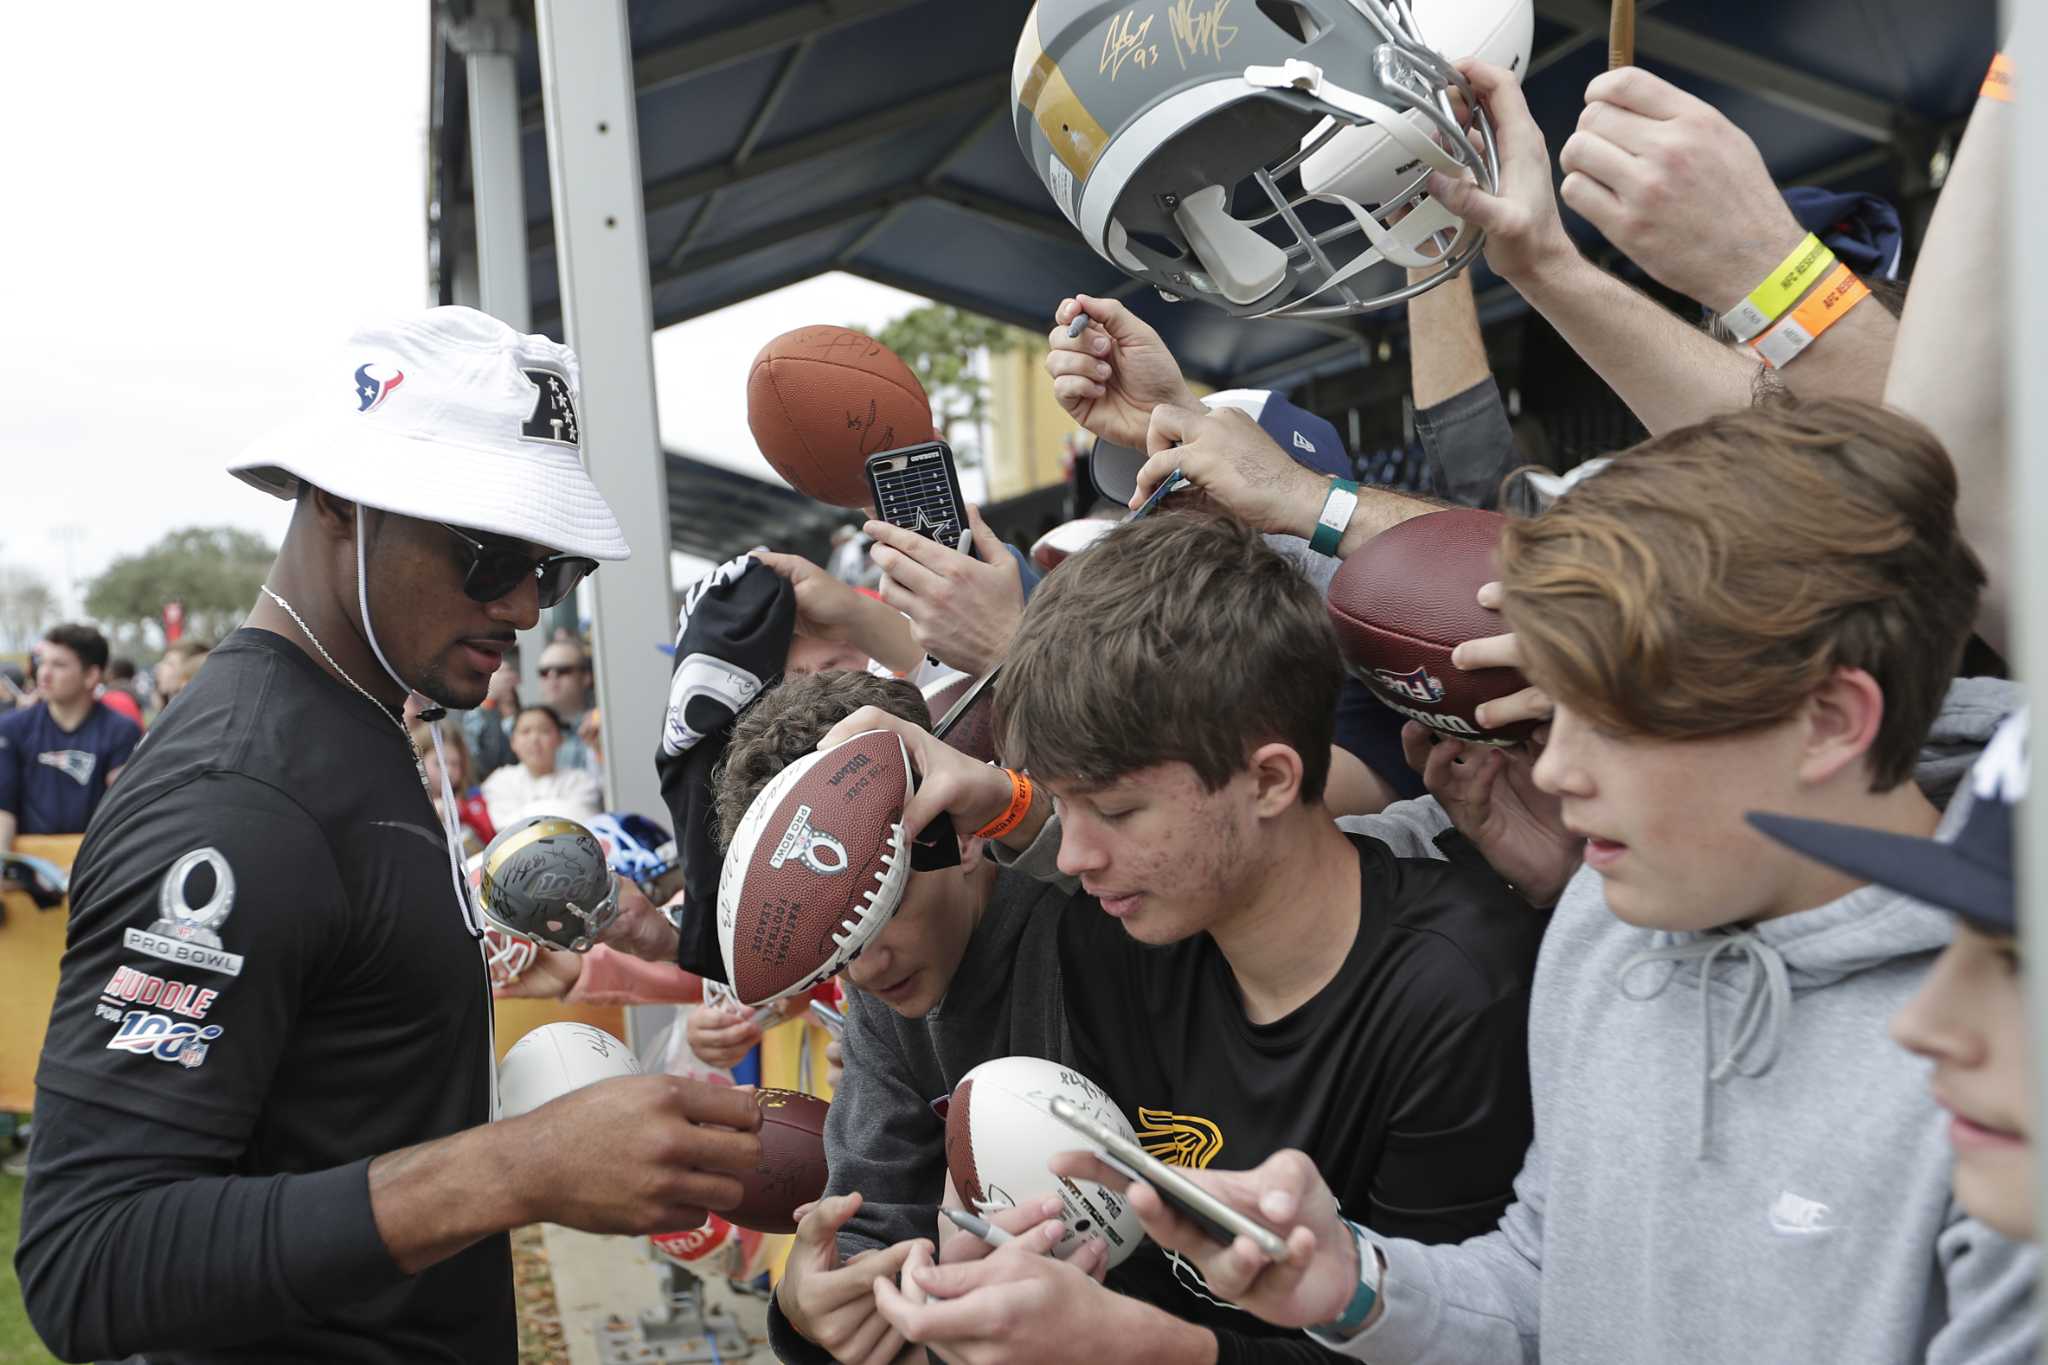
1417	686
371	391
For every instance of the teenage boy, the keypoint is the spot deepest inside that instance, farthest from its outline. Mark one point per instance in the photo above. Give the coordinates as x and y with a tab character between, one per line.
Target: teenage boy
1246	977
966	970
1763	611
1969	1016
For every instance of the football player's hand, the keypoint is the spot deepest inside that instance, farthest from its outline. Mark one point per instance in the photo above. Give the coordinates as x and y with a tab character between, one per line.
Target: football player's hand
1667	178
973	793
831	1304
1525	236
673	1151
1111	376
963	608
1287	1194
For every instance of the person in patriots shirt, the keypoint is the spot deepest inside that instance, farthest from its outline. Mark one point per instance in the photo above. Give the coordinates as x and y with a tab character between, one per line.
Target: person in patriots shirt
57	757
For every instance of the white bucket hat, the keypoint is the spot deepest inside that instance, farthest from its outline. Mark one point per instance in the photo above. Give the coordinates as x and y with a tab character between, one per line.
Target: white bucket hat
451	416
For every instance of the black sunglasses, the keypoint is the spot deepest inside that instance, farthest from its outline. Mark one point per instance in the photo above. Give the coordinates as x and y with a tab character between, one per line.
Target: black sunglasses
494	571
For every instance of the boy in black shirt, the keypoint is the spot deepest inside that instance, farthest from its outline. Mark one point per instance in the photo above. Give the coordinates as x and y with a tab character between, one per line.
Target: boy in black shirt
1259	979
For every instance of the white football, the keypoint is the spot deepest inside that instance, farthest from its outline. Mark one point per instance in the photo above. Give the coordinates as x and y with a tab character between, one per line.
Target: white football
555	1059
1362	163
1000	1133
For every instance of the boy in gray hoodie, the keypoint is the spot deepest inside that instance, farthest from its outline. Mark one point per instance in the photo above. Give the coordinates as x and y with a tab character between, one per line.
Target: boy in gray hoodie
1732	1161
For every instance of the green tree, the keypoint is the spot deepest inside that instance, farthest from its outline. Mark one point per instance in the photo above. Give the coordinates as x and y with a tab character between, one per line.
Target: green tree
214	570
938	342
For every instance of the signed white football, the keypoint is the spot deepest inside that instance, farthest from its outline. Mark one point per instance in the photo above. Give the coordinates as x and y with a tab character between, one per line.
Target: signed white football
555	1059
1000	1133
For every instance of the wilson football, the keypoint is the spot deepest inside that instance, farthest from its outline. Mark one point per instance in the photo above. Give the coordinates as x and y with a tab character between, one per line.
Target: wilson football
816	867
820	400
1405	600
1000	1134
792	1169
555	1059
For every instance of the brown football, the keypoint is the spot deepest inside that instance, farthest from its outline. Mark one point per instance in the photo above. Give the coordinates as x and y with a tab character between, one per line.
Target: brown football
816	867
1406	599
974	734
820	400
792	1170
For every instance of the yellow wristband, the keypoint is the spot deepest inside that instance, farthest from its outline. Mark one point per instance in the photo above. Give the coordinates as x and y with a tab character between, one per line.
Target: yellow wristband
1998	80
1013	815
1780	289
1825	307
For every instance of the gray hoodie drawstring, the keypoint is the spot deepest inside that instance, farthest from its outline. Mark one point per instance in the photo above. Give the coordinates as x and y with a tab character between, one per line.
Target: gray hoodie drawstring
1759	1032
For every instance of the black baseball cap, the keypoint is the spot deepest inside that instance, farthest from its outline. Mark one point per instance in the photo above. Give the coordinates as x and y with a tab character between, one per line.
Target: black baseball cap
1969	873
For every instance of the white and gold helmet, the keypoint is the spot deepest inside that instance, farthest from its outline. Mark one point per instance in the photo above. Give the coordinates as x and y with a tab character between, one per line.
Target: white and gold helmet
1263	155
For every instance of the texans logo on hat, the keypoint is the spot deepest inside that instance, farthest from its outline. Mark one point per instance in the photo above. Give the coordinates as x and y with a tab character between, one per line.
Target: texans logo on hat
370	391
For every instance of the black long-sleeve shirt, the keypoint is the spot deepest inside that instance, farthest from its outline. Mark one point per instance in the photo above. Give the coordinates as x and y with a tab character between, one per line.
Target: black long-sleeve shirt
268	981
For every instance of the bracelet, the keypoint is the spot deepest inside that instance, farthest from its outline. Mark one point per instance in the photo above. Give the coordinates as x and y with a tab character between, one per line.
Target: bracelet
1351	1321
1825	307
1013	816
1998	80
1768	301
1336	516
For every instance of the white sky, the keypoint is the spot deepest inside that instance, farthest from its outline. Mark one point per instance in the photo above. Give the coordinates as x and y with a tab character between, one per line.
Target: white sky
202	201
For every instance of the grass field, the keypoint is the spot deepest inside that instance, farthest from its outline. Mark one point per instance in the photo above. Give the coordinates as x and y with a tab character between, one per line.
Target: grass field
18	1342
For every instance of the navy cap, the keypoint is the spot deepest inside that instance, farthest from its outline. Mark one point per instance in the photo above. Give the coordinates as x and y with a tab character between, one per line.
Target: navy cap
1308	438
1861	229
1969	873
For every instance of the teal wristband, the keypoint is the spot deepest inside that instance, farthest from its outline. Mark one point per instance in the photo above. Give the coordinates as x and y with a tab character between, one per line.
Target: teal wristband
1351	1321
1336	517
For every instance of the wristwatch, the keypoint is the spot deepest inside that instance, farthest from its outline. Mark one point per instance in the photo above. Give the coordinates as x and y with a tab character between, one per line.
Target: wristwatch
1338	506
1351	1321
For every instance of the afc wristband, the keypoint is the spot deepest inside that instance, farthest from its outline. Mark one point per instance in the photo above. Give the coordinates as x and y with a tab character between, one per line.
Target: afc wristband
1338	507
1013	815
1825	307
1768	301
1351	1321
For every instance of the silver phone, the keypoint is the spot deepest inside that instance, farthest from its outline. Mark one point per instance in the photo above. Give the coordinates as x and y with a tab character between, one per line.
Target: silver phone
832	1019
1221	1222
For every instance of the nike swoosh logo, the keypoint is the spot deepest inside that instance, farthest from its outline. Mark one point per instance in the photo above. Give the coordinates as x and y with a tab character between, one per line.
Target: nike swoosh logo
431	836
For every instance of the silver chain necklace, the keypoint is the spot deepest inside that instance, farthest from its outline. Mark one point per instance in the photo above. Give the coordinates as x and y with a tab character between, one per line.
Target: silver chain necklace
419	764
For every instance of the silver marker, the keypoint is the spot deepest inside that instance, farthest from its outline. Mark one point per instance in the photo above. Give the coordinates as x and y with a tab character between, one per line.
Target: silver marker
1078	325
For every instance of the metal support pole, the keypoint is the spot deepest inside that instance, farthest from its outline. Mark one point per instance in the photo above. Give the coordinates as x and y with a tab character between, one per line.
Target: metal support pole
489	43
586	66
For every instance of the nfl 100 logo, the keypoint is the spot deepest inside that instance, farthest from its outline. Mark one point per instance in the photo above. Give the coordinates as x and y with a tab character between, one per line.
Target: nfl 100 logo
147	1034
1417	686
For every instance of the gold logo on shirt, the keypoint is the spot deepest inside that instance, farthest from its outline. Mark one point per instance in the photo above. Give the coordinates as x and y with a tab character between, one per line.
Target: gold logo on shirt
1178	1139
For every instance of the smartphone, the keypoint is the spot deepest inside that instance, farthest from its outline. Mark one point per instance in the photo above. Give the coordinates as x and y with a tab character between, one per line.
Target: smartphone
1221	1222
833	1020
918	488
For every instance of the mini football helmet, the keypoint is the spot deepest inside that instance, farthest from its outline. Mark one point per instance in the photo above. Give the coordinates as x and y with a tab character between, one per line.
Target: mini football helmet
546	878
1264	156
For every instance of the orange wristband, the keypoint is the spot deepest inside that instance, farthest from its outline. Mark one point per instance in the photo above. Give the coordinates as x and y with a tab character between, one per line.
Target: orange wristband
1824	307
1013	816
1998	80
